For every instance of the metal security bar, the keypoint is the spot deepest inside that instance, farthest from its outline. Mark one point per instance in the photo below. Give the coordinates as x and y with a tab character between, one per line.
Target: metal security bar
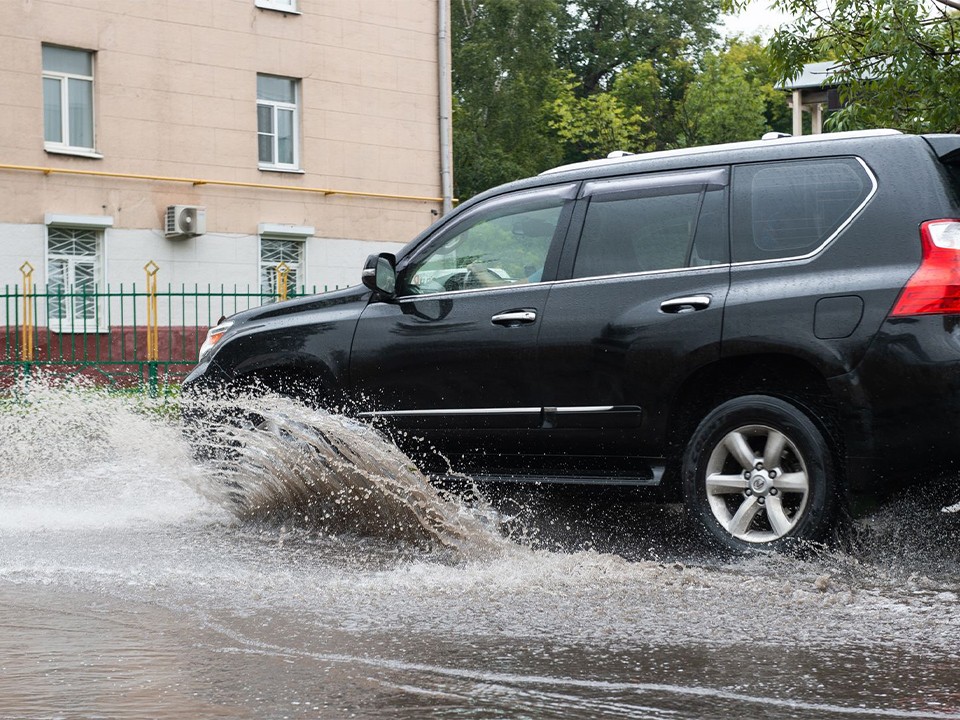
122	336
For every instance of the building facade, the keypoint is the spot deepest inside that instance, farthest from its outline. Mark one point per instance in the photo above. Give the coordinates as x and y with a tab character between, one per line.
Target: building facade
216	138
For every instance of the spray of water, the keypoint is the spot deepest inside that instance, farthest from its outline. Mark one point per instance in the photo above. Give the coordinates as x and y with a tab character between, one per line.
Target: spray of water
100	492
73	455
277	460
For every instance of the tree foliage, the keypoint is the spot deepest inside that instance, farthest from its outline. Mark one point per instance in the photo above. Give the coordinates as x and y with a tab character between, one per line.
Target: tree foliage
895	60
733	97
503	80
593	125
542	82
602	37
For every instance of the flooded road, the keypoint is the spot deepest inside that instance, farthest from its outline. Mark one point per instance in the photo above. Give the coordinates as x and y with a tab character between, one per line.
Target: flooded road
133	585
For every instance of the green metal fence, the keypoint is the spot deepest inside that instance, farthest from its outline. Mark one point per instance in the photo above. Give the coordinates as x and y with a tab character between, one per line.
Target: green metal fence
119	336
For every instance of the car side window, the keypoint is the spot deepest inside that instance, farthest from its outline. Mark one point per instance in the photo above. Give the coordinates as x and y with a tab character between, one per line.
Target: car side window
790	209
676	224
506	244
712	243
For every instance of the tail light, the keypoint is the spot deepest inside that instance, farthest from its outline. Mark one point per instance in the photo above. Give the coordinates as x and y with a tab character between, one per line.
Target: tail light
934	289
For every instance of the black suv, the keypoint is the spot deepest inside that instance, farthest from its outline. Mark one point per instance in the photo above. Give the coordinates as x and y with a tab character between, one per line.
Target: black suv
762	327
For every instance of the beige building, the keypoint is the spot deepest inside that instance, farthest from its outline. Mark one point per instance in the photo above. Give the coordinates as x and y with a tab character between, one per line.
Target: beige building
217	137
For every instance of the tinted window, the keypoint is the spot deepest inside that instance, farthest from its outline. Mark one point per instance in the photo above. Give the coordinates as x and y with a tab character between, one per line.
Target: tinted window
506	244
652	231
953	172
712	246
790	209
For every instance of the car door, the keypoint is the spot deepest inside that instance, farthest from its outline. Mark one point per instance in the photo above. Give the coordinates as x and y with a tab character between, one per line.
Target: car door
449	364
639	306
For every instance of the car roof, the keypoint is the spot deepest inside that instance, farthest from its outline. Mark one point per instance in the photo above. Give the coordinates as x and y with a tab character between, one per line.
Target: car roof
779	148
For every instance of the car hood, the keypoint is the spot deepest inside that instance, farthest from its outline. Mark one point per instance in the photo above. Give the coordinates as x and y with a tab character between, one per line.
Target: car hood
308	303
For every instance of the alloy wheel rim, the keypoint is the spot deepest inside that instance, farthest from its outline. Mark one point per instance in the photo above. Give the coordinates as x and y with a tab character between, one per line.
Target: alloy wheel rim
757	483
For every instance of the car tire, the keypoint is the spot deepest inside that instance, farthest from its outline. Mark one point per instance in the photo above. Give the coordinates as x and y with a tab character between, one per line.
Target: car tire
758	474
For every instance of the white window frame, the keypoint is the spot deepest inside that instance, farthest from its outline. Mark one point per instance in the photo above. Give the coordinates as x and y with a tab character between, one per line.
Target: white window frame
63	79
74	324
290	233
275	108
286	6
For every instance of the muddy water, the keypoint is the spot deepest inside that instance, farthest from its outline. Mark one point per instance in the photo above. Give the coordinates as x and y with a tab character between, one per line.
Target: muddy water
137	583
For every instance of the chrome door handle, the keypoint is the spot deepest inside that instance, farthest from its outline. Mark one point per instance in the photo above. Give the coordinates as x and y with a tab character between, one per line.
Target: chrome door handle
512	318
685	304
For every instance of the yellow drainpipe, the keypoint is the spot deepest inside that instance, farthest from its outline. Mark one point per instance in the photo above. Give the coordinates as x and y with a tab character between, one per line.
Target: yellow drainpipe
225	183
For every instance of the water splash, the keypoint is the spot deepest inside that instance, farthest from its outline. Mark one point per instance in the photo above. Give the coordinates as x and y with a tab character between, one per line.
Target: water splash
280	461
912	532
72	455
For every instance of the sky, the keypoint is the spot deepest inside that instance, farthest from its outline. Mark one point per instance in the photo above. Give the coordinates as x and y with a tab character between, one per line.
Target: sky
756	19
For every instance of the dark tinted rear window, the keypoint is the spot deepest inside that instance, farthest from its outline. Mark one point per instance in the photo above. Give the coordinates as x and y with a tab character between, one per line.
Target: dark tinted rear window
654	222
788	209
953	172
637	234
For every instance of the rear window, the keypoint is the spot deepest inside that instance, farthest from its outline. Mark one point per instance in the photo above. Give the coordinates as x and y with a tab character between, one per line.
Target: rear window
654	222
637	234
953	172
790	209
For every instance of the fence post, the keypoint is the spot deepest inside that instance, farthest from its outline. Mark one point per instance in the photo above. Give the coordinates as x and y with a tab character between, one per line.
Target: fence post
283	272
153	332
27	328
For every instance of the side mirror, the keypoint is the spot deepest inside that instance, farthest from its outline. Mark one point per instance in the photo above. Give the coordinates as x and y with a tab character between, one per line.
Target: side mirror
380	274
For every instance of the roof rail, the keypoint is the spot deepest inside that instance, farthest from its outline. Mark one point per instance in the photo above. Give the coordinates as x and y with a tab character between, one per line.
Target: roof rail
704	149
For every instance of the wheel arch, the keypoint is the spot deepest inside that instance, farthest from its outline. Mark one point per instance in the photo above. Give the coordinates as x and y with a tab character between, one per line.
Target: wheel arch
312	383
786	377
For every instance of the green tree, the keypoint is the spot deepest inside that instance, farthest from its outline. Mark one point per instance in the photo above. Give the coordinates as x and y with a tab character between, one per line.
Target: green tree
895	60
504	80
599	38
592	126
539	82
637	51
733	97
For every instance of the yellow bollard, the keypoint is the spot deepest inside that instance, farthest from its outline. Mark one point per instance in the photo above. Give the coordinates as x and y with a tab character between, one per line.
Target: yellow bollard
283	272
153	332
27	328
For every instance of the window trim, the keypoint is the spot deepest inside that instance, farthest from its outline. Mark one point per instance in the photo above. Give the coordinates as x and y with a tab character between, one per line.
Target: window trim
576	224
85	222
290	7
274	106
99	224
293	233
833	236
709	178
64	147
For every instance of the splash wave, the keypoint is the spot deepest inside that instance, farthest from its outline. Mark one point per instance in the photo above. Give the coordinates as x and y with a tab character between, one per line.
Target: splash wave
277	460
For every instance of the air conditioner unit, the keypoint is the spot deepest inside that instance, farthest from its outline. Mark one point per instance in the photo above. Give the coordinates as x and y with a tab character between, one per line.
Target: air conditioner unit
185	221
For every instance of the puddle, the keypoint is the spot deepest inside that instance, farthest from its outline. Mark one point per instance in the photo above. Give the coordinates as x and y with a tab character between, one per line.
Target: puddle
319	575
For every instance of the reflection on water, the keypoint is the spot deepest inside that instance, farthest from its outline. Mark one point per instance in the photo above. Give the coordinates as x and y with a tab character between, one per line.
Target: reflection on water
74	654
131	586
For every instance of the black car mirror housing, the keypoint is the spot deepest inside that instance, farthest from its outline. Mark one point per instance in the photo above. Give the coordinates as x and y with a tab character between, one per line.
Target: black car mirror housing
380	274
